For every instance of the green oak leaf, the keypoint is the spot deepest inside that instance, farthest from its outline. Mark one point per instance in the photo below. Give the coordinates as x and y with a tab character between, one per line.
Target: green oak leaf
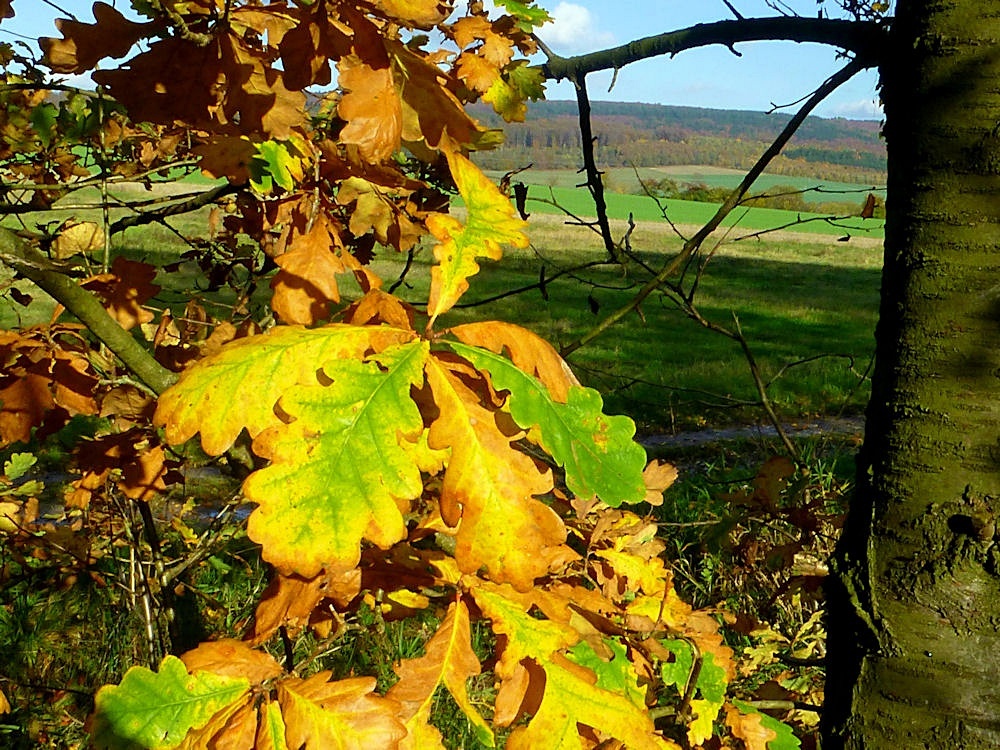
275	163
617	675
786	739
527	15
157	709
341	464
17	465
712	681
597	451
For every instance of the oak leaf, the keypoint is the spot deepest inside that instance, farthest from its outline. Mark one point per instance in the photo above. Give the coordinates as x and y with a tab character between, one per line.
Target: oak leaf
749	728
339	470
488	489
83	44
371	109
476	72
157	709
306	285
448	660
430	111
759	731
319	714
419	13
124	290
254	372
573	695
78	237
491	220
597	451
526	349
232	658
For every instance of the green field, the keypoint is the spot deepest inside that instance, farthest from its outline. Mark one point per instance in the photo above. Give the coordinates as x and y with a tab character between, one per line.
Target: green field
626	180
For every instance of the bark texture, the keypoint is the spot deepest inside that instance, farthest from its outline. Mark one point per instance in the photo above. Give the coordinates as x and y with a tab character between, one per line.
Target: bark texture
914	627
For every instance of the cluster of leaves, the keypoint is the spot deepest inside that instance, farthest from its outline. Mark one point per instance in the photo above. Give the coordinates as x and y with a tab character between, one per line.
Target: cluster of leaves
400	464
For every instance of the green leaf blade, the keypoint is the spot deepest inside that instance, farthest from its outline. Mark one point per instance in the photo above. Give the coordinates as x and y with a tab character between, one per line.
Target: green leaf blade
157	709
339	467
597	451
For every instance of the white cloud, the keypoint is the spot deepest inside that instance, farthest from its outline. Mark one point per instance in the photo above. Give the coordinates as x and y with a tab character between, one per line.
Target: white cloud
574	29
860	109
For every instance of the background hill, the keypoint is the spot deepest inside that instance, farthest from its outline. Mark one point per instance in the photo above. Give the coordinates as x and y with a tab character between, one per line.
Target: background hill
648	135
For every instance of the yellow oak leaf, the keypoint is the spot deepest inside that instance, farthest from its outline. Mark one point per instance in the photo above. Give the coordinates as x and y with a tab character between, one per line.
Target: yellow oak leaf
491	221
488	489
252	373
319	714
419	13
450	661
506	101
270	728
572	693
371	108
339	470
371	210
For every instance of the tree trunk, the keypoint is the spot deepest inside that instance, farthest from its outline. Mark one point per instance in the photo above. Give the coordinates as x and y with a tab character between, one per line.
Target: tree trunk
914	647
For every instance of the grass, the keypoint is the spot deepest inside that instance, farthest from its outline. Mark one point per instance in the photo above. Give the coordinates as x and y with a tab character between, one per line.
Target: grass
742	220
627	180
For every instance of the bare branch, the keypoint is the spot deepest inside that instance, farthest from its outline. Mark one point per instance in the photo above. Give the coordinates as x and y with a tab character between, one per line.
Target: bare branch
693	244
865	38
183	207
16	254
594	183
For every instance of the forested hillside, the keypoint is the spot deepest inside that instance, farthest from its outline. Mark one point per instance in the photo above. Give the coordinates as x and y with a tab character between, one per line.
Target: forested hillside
645	135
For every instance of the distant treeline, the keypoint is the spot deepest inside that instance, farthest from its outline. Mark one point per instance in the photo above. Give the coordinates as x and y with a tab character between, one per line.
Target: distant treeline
647	135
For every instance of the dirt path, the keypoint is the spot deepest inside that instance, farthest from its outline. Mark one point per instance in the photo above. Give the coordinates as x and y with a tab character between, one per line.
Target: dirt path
840	426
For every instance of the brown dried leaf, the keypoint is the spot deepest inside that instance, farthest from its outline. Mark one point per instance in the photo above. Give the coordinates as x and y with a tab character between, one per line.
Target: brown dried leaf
232	658
371	108
78	237
83	44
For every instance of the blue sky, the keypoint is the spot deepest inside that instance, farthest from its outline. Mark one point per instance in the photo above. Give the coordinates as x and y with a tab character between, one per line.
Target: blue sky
767	73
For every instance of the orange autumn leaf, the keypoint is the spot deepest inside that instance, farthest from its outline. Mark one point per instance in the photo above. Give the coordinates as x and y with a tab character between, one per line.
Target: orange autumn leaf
748	727
526	349
144	477
448	660
125	289
289	601
371	108
347	714
232	658
306	285
476	72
